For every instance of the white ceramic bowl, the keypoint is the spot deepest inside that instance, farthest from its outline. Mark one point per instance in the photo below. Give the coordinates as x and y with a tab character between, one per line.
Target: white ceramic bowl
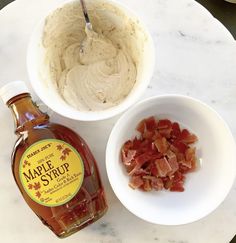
53	100
205	188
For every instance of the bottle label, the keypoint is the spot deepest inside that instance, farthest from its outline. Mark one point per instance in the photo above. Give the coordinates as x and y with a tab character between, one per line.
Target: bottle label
51	172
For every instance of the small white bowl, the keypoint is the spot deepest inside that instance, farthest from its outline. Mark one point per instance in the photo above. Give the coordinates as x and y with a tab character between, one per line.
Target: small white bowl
205	188
49	95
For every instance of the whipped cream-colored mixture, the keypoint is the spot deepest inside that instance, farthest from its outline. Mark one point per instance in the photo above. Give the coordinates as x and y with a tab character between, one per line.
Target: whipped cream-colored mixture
91	69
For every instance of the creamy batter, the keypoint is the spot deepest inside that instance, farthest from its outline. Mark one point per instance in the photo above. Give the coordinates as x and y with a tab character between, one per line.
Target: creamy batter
91	69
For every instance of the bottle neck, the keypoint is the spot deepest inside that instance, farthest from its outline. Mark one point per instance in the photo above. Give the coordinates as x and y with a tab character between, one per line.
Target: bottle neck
25	113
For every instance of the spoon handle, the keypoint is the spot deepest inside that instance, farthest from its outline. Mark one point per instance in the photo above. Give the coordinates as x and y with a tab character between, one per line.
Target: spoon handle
85	12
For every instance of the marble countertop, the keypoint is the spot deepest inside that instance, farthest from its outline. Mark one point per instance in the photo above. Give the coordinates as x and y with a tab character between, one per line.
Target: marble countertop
195	55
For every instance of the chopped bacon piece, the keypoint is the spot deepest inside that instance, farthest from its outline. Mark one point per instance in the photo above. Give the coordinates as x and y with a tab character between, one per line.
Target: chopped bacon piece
130	156
171	156
166	132
136	182
127	145
178	176
150	123
180	146
164	124
141	172
187	137
156	135
163	167
190	157
184	134
134	169
156	183
190	154
177	187
130	166
160	156
186	163
176	127
161	144
184	169
141	159
172	160
148	134
154	170
167	183
141	126
190	139
144	146
180	157
136	143
156	155
175	130
147	185
174	149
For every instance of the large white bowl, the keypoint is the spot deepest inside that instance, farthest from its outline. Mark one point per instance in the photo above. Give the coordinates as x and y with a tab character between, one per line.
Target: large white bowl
205	188
48	94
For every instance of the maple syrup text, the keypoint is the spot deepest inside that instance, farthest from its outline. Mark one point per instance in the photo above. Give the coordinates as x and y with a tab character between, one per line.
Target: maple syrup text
47	172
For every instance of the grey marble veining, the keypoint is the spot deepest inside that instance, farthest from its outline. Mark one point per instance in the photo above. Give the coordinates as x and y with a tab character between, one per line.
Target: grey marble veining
195	55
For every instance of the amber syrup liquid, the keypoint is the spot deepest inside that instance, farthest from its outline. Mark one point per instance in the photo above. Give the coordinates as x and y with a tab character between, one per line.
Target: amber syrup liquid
89	204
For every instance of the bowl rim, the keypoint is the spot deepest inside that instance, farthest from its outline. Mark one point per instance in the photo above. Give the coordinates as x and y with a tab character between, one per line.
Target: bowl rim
35	79
123	118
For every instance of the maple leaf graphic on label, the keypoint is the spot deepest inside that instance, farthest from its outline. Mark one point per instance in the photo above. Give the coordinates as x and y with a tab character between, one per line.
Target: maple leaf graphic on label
63	157
38	194
66	151
59	147
30	186
26	163
37	185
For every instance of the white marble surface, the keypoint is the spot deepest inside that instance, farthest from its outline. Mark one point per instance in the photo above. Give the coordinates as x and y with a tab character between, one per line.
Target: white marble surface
196	56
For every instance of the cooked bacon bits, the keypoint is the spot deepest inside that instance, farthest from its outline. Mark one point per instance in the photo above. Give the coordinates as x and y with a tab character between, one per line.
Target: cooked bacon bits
160	156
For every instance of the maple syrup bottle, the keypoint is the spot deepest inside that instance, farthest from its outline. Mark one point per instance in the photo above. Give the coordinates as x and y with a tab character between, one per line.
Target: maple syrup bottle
53	167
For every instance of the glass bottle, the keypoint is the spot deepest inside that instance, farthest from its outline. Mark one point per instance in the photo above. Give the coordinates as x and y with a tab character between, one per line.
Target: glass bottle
53	167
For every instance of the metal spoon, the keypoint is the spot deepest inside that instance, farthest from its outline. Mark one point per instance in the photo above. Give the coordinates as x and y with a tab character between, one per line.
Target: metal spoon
85	12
